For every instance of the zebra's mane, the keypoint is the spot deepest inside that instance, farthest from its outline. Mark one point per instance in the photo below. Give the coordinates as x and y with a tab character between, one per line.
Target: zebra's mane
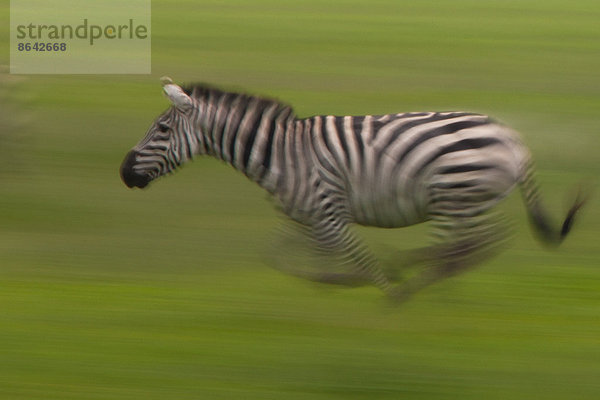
201	91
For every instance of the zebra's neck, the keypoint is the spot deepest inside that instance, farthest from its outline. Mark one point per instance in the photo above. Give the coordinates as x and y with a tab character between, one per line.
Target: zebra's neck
240	129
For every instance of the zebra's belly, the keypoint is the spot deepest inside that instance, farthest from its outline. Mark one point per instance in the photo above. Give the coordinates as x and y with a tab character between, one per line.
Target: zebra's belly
386	210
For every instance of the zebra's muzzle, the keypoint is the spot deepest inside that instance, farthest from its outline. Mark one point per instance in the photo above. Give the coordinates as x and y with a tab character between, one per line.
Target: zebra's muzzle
128	174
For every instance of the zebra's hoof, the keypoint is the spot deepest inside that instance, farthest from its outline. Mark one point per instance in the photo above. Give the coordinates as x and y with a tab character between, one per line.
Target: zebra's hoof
399	294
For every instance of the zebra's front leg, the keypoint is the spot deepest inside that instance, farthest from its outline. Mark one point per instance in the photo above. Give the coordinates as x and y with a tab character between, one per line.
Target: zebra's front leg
326	252
295	251
338	245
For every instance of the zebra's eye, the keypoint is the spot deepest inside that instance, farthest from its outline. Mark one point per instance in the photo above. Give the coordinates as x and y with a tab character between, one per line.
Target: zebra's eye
162	127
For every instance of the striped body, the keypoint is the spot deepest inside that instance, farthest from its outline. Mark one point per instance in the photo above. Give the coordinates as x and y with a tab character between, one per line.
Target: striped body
392	168
327	172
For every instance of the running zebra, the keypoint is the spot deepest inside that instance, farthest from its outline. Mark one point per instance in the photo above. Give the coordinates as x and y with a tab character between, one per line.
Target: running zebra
329	172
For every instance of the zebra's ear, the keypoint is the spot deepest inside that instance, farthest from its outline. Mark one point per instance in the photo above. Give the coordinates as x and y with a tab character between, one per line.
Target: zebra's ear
176	94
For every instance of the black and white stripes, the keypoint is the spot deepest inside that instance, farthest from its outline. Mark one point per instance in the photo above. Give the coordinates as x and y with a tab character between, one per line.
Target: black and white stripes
328	172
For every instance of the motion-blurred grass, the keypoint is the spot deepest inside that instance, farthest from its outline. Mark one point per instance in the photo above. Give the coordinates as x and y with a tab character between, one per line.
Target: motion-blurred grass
107	293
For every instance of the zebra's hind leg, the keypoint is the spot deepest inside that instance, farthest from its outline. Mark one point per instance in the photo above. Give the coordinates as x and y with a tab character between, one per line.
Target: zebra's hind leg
461	242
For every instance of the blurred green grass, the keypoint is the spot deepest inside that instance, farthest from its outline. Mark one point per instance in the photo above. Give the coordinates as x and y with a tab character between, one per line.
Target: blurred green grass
107	293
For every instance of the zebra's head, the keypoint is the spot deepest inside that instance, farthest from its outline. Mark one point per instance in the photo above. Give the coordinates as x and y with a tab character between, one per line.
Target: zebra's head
169	142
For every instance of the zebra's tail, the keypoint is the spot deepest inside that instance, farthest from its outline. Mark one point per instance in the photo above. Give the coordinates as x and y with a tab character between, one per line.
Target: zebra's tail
539	218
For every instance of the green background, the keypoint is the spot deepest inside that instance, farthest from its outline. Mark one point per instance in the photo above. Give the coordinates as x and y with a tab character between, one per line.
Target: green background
111	293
